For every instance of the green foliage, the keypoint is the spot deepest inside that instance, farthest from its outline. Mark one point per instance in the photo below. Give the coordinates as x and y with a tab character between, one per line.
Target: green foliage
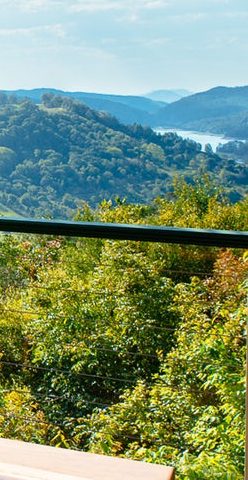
58	154
7	161
21	418
220	110
202	205
125	348
208	466
196	403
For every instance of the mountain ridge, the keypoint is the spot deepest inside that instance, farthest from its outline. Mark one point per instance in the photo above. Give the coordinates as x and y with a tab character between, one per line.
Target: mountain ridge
127	108
59	154
218	110
168	95
221	109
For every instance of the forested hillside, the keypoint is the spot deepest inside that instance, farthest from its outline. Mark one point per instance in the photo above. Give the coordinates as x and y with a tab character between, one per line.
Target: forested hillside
130	349
61	153
235	151
127	108
219	110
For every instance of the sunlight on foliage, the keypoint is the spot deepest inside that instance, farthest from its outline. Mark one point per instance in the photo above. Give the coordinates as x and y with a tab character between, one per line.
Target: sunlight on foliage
125	348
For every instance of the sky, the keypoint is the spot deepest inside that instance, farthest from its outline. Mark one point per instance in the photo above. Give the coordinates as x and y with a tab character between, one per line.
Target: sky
123	46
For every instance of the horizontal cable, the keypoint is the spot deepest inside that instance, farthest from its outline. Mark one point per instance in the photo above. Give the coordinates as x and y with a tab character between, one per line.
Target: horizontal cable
111	265
67	372
100	265
102	293
29	421
10	415
154	327
55	398
96	376
124	352
179	389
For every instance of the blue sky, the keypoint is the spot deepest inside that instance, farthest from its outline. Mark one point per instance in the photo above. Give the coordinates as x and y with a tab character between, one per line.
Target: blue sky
123	46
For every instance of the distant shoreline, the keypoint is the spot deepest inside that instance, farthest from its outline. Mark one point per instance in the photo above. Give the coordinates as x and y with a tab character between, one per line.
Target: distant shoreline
203	138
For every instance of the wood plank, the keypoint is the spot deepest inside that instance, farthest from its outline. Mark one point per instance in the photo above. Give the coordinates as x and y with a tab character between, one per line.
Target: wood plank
20	460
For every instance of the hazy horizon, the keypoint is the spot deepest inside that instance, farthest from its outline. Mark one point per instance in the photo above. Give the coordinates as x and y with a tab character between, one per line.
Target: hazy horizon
103	92
122	46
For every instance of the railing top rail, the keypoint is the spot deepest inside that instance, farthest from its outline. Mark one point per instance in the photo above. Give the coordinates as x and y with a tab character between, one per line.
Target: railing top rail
114	231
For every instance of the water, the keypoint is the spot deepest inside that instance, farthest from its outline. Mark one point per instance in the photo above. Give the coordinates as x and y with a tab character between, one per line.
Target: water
199	137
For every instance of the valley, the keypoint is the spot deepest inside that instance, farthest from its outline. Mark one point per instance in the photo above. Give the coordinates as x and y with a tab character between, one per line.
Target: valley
220	110
56	155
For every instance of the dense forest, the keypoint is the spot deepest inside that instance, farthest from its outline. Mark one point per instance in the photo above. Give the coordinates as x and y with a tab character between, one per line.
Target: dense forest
130	349
221	110
235	151
58	154
127	108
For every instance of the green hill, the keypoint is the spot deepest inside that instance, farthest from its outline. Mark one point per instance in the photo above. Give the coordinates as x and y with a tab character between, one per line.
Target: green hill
220	110
58	154
127	108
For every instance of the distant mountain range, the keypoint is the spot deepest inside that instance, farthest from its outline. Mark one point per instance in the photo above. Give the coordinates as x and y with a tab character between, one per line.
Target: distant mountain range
128	109
219	110
55	155
167	96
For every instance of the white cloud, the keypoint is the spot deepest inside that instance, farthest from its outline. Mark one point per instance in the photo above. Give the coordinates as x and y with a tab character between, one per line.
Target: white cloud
130	7
237	15
93	6
80	52
31	5
56	30
115	5
158	42
153	4
189	17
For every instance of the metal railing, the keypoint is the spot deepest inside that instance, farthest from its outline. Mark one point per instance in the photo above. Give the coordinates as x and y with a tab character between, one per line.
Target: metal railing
139	233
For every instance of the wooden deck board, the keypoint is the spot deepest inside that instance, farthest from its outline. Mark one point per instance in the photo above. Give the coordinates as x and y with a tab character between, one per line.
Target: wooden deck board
27	461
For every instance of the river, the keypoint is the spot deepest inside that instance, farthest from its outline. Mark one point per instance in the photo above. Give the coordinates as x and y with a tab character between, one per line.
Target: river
199	137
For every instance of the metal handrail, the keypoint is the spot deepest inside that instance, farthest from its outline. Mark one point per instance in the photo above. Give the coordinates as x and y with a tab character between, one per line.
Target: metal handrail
144	233
116	231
